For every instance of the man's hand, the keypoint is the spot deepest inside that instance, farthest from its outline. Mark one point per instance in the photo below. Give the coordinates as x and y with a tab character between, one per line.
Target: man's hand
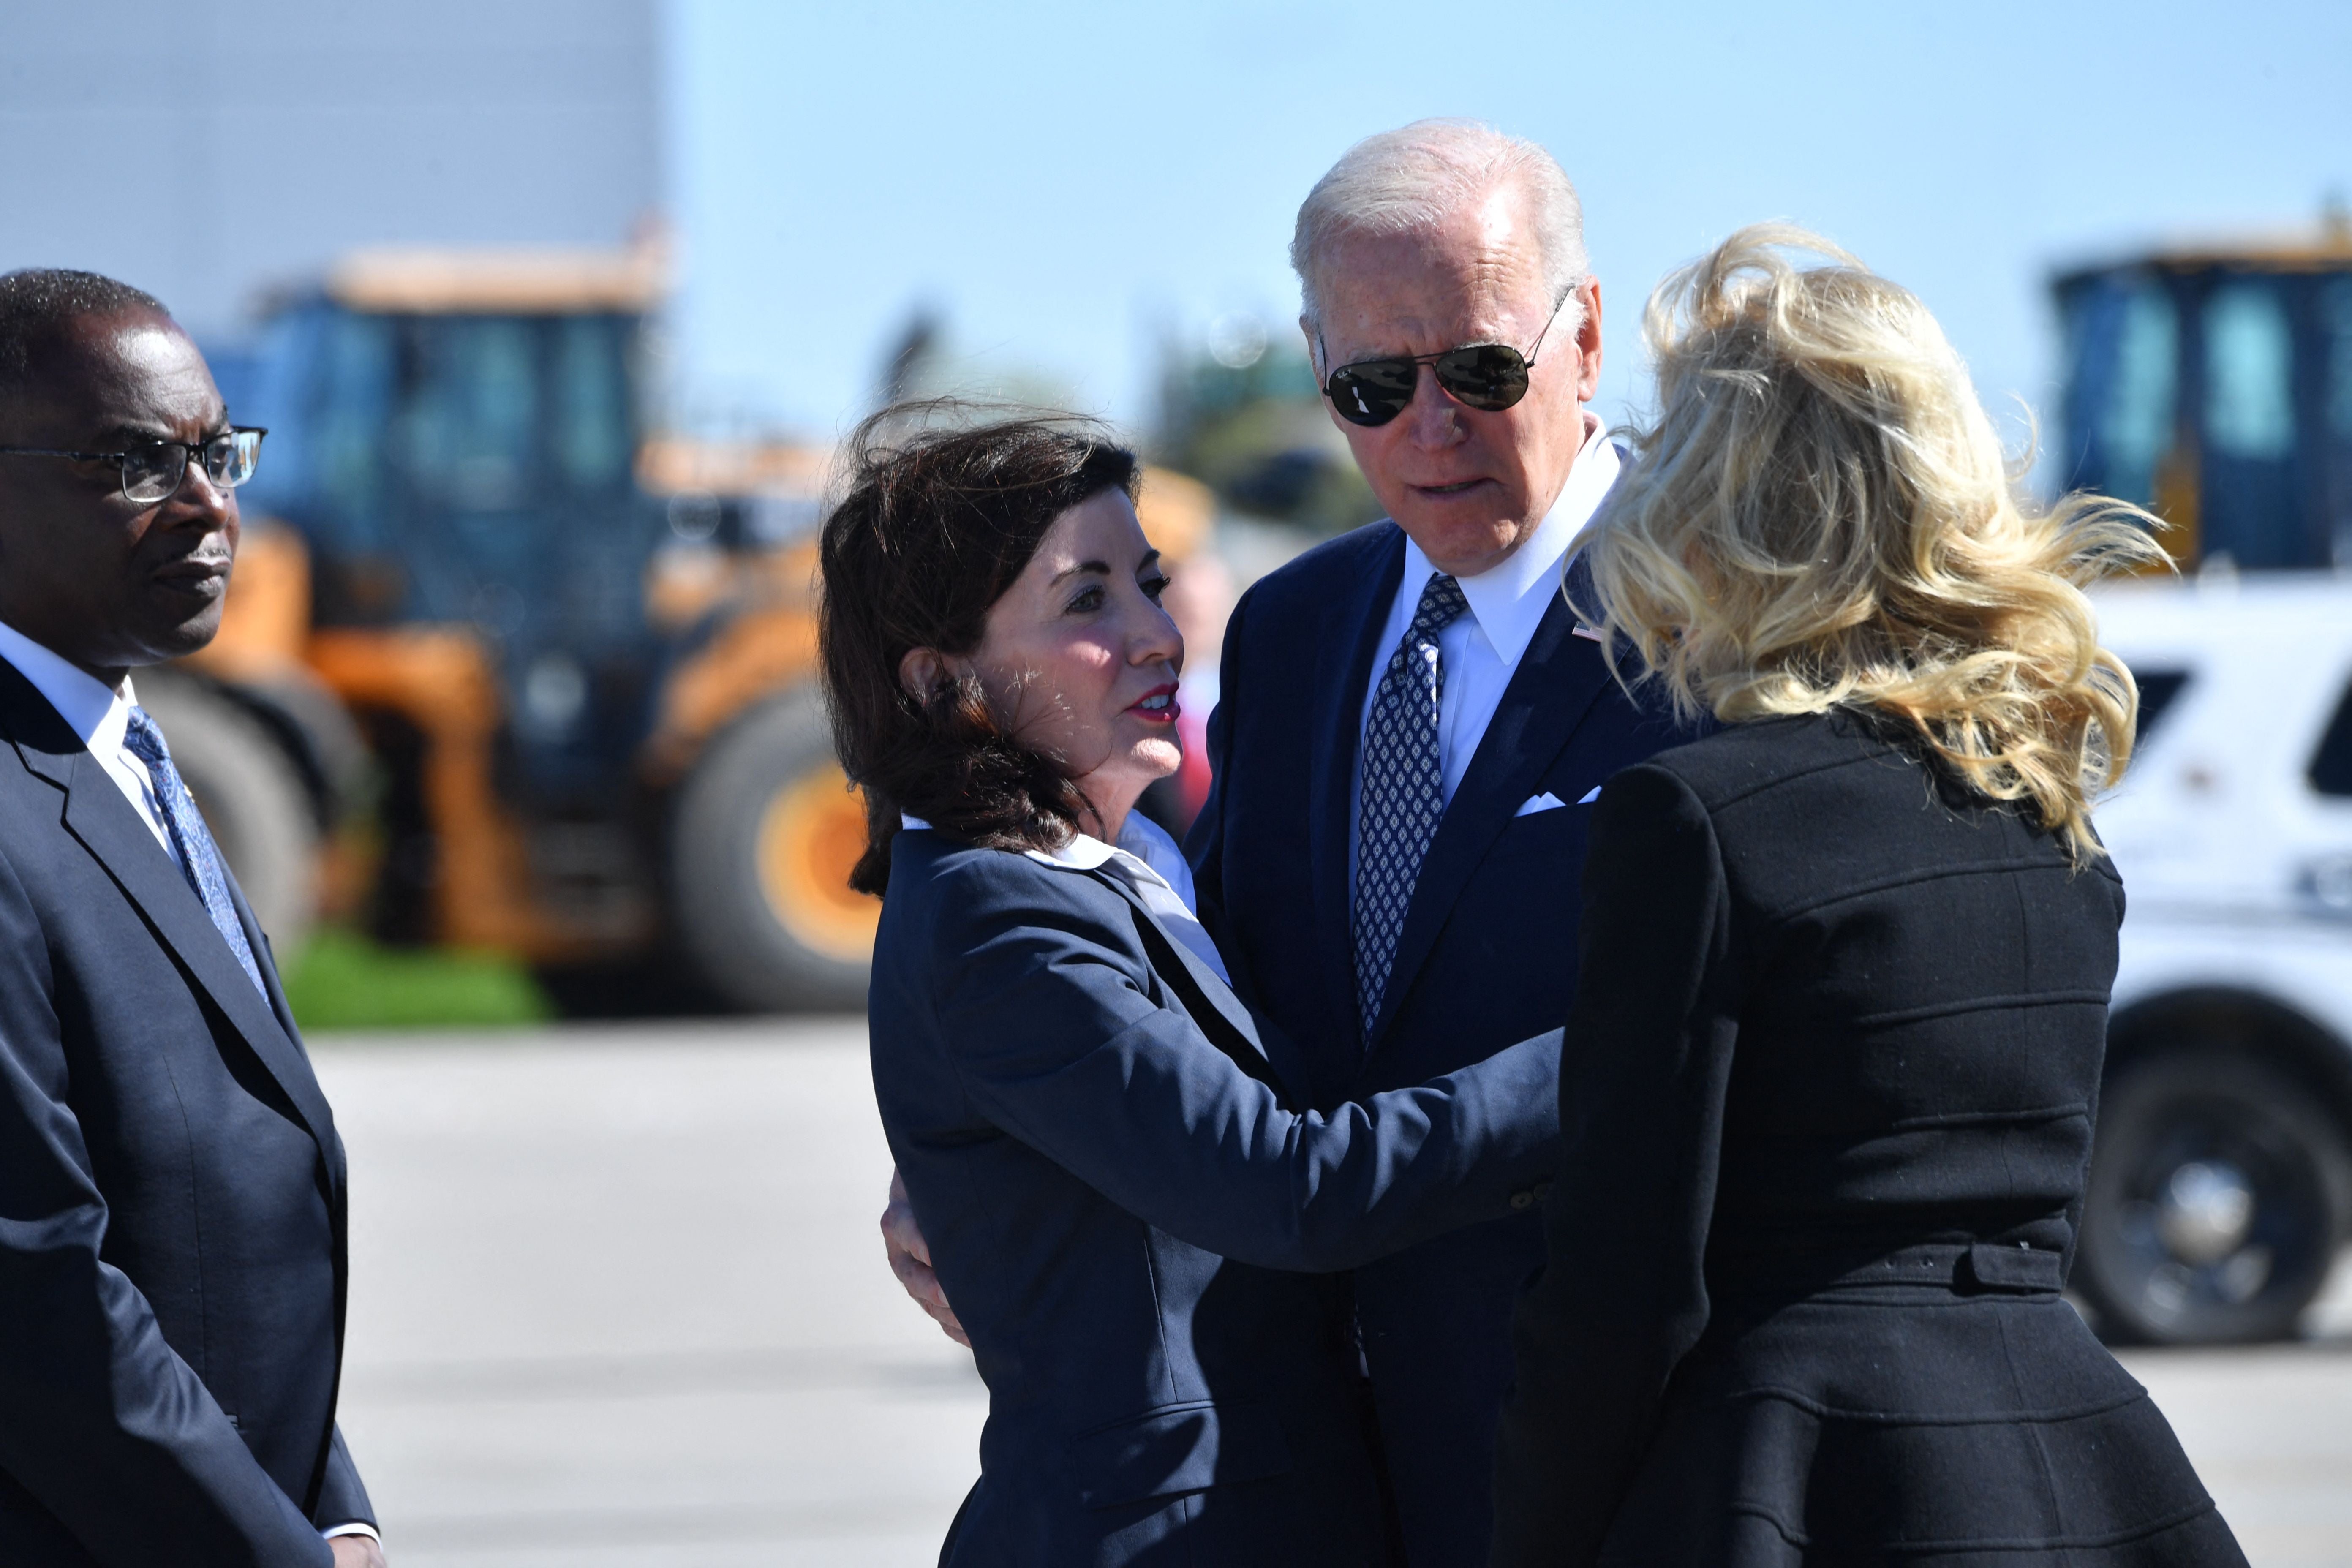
356	1551
910	1260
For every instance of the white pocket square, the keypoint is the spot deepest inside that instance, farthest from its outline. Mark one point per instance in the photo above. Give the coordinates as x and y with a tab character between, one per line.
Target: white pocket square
1544	802
1589	797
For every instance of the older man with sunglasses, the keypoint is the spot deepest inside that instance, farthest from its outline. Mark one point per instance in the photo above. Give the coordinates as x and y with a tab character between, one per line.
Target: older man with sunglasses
1412	731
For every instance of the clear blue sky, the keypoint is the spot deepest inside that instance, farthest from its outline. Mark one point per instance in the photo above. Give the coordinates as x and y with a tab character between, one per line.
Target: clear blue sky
1066	183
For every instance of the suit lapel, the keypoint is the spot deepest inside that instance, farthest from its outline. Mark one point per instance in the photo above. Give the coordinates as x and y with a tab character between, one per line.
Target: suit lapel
1558	679
97	815
282	1012
1344	656
1210	1000
265	958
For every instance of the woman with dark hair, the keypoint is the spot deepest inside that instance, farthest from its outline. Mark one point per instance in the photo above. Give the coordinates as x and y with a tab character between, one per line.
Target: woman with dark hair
1094	1133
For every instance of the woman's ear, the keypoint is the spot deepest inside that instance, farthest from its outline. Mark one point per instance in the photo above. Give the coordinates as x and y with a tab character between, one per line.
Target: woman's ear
922	672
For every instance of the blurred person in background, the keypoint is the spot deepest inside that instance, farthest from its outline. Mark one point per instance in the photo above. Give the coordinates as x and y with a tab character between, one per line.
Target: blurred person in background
1411	731
1200	597
1103	1146
1836	1058
172	1201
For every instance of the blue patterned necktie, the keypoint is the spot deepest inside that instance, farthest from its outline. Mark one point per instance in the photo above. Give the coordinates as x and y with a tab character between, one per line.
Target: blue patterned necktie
1403	790
199	856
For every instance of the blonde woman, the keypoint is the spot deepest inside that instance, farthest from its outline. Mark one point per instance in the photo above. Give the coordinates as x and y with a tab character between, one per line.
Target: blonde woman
1832	1068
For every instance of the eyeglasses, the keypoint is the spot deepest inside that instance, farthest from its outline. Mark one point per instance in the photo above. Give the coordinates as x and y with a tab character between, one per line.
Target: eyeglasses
152	471
1488	377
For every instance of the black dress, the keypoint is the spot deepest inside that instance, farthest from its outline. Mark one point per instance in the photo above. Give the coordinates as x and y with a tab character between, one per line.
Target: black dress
1828	1098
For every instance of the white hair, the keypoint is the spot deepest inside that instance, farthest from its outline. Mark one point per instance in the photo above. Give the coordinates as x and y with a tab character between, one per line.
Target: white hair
1412	179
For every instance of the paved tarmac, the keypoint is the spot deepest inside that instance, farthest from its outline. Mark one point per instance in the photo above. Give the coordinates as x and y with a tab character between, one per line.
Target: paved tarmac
618	1299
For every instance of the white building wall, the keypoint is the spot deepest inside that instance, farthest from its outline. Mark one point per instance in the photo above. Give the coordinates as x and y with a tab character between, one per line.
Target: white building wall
208	154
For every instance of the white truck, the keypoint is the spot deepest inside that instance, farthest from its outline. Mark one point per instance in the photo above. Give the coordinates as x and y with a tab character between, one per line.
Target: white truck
2222	1178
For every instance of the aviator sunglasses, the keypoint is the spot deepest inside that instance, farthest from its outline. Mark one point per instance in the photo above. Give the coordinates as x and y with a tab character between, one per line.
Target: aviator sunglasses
1488	377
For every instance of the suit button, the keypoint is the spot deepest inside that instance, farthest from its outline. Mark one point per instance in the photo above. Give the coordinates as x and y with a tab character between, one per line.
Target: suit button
1522	1200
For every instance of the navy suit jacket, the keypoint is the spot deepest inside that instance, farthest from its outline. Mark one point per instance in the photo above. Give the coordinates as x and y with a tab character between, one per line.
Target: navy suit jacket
1093	1133
171	1217
1487	956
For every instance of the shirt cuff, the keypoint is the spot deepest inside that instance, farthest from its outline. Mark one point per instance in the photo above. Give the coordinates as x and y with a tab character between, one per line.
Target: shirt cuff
357	1526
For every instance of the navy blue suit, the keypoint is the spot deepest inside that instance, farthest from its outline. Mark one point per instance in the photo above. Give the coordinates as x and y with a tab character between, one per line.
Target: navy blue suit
171	1215
1487	956
1092	1131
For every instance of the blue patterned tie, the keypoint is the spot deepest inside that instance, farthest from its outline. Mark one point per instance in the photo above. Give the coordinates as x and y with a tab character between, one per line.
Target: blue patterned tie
1403	790
199	856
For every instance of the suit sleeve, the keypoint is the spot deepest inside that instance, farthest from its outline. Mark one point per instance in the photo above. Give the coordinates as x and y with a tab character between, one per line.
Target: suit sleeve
1055	1040
1623	1297
342	1498
101	1421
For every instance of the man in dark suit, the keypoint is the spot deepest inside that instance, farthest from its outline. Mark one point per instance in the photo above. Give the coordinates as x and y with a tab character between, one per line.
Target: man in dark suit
171	1203
1410	730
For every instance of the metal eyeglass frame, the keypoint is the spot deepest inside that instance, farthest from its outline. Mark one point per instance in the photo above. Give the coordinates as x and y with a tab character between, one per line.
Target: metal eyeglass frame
187	451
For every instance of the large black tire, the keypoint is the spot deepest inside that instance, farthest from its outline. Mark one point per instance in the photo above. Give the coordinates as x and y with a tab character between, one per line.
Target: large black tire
761	842
2217	1200
253	797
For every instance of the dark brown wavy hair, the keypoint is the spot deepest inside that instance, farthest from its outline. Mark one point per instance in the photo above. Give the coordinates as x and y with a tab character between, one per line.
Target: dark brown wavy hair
935	522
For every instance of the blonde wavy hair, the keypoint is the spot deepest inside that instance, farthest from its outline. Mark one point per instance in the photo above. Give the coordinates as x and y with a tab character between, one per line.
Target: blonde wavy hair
1822	514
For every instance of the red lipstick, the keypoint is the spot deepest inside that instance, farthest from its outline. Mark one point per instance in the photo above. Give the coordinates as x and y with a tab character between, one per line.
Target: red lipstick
1159	705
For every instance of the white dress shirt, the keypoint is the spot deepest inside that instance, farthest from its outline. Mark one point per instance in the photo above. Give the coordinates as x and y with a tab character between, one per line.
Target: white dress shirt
1149	862
1481	650
99	716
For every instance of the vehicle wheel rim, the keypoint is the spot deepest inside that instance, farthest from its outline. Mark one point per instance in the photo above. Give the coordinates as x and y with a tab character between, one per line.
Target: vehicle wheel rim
2221	1211
811	833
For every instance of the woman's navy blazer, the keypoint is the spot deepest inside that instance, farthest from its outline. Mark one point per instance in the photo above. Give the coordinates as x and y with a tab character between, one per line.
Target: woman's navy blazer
1098	1146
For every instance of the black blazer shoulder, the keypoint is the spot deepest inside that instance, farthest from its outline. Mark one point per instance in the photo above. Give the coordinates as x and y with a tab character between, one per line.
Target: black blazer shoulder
1839	1008
1766	785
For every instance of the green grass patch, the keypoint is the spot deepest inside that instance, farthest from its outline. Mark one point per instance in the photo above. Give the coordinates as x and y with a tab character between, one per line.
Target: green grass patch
342	980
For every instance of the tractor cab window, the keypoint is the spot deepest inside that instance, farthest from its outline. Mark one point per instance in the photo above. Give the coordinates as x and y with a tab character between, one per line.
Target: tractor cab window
2252	489
2123	358
507	413
2249	373
593	436
2336	310
2336	321
2217	392
335	465
470	424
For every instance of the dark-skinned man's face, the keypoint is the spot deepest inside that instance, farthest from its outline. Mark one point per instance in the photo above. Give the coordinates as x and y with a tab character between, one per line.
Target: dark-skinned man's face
108	583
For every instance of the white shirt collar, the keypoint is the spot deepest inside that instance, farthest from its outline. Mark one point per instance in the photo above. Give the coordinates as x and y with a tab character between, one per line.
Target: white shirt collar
1152	866
98	715
1509	598
1143	848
